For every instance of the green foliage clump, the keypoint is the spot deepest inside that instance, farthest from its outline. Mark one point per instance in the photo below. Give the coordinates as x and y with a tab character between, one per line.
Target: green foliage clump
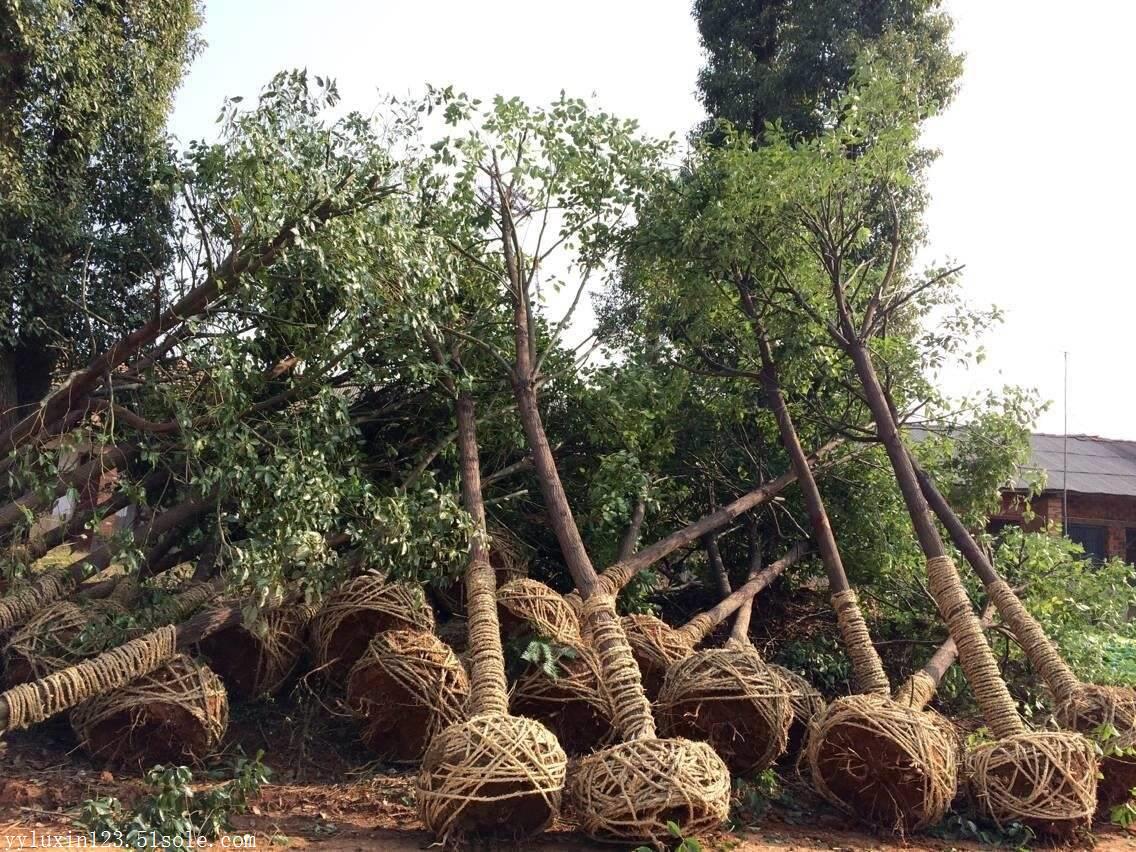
172	809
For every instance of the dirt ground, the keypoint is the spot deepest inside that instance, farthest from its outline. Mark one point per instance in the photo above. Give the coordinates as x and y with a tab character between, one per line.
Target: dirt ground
324	794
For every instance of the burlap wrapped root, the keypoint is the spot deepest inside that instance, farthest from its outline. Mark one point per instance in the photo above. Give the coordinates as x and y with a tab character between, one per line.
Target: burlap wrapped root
357	611
405	689
176	714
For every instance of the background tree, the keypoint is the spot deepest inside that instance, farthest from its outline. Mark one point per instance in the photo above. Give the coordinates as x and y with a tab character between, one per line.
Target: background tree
789	61
86	177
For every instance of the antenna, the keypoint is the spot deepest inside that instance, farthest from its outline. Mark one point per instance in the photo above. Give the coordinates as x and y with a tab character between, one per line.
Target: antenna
1065	454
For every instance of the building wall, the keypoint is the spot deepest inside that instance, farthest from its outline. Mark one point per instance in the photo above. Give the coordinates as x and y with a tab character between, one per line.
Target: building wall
1117	514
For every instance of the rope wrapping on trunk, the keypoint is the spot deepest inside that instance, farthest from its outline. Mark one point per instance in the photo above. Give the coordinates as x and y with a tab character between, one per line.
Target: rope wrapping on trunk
867	669
631	710
973	651
30	703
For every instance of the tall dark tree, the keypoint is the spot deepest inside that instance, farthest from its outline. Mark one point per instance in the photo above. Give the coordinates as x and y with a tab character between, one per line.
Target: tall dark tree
85	176
788	60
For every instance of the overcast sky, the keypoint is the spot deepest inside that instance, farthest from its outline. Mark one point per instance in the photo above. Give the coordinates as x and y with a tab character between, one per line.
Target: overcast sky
1030	192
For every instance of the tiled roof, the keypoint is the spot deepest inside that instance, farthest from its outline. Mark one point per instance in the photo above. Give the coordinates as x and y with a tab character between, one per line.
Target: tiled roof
1095	465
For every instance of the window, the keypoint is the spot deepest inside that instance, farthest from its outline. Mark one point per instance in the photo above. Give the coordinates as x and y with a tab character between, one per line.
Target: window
1130	546
1093	538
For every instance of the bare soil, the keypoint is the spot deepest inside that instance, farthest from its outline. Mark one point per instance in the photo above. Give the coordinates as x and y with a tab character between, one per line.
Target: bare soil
325	794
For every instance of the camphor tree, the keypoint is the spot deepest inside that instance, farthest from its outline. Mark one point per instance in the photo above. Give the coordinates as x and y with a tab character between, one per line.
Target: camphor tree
543	184
280	395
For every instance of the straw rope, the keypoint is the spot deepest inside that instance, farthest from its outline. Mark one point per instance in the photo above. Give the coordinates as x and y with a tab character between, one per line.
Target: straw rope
178	607
489	693
405	689
34	702
697	629
178	711
541	609
867	669
630	707
882	762
20	605
629	792
1045	779
974	653
917	691
731	699
1042	654
471	767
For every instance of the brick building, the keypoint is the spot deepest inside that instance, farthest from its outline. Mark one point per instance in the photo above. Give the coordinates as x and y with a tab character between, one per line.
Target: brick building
1097	478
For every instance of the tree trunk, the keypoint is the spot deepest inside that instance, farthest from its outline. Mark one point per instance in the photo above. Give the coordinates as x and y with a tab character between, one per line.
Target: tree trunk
978	663
488	686
868	669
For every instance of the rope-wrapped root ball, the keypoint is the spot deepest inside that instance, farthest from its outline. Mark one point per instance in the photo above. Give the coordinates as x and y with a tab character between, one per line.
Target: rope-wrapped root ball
632	790
729	698
1090	708
55	638
405	689
889	765
256	661
529	606
495	775
656	646
360	609
175	714
573	705
805	702
1044	779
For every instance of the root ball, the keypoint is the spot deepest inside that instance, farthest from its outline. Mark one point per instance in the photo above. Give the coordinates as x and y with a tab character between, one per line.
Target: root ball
175	714
53	639
493	775
881	762
805	701
1046	780
405	689
656	646
573	705
359	610
629	792
256	663
529	606
729	698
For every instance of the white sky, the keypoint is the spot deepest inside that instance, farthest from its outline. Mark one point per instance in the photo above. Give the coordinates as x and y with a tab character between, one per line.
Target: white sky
1029	192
